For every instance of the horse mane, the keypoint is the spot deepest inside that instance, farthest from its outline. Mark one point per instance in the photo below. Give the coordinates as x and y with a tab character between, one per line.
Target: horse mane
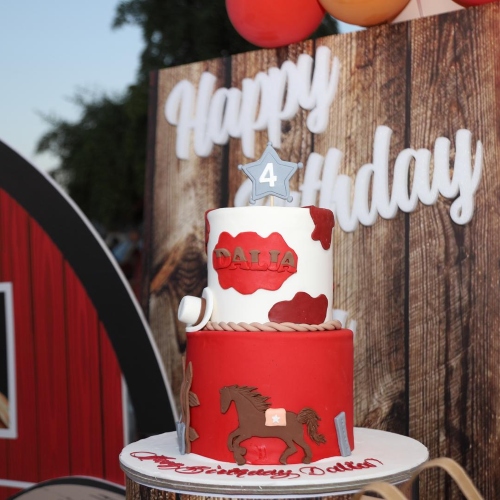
258	400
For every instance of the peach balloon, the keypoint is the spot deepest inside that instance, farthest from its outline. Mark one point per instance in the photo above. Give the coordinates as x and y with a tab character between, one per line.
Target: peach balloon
364	12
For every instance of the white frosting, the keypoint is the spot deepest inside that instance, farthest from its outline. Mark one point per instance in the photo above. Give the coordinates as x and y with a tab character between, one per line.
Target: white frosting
377	456
314	271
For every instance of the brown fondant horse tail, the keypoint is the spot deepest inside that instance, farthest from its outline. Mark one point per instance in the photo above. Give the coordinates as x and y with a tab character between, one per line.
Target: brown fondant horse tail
309	417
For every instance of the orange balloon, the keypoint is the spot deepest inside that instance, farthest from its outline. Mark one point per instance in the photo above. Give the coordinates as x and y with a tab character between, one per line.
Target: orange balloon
364	12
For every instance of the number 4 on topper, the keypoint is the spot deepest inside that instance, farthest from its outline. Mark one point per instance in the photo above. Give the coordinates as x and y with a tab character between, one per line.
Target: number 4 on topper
270	175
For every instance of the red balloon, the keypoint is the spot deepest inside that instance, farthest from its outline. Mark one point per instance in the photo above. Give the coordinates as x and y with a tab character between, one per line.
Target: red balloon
472	3
274	23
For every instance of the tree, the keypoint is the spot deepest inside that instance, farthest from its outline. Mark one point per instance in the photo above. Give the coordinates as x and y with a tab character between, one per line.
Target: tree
103	155
183	31
180	31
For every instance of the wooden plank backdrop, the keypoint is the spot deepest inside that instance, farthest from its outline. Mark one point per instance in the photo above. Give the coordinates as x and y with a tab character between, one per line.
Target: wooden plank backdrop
423	289
181	192
453	280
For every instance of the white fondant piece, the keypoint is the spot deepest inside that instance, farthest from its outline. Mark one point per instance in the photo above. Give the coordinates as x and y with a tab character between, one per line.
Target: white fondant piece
190	309
314	268
392	457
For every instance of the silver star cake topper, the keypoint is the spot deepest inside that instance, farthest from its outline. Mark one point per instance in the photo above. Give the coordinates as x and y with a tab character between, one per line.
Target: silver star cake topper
270	175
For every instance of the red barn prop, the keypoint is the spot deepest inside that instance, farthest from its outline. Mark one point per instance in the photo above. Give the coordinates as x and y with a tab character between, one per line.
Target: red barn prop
71	329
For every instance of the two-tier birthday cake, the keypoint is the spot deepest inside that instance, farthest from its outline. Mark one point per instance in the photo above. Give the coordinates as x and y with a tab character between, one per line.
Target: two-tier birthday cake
268	373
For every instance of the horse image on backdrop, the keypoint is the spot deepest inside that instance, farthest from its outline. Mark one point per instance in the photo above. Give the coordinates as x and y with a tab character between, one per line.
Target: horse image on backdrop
251	408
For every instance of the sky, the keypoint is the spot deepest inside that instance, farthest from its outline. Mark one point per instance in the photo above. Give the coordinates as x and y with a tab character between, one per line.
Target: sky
49	51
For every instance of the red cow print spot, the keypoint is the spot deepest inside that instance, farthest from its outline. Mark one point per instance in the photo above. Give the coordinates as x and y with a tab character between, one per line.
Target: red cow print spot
323	225
301	309
249	262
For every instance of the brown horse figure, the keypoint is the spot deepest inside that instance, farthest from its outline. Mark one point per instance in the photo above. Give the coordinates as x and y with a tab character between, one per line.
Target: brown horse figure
251	407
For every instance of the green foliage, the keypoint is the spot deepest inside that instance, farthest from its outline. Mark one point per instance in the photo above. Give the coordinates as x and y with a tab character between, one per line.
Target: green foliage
103	155
180	31
184	31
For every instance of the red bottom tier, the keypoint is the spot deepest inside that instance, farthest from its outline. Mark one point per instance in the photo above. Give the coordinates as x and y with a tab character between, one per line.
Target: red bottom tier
248	384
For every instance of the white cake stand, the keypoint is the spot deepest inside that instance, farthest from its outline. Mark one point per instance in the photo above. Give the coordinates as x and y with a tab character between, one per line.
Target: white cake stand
378	456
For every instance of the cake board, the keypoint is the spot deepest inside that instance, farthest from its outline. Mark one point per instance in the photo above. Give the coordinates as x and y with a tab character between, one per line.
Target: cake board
156	463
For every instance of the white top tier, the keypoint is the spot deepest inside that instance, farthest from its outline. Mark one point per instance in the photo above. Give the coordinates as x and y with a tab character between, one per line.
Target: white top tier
260	256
